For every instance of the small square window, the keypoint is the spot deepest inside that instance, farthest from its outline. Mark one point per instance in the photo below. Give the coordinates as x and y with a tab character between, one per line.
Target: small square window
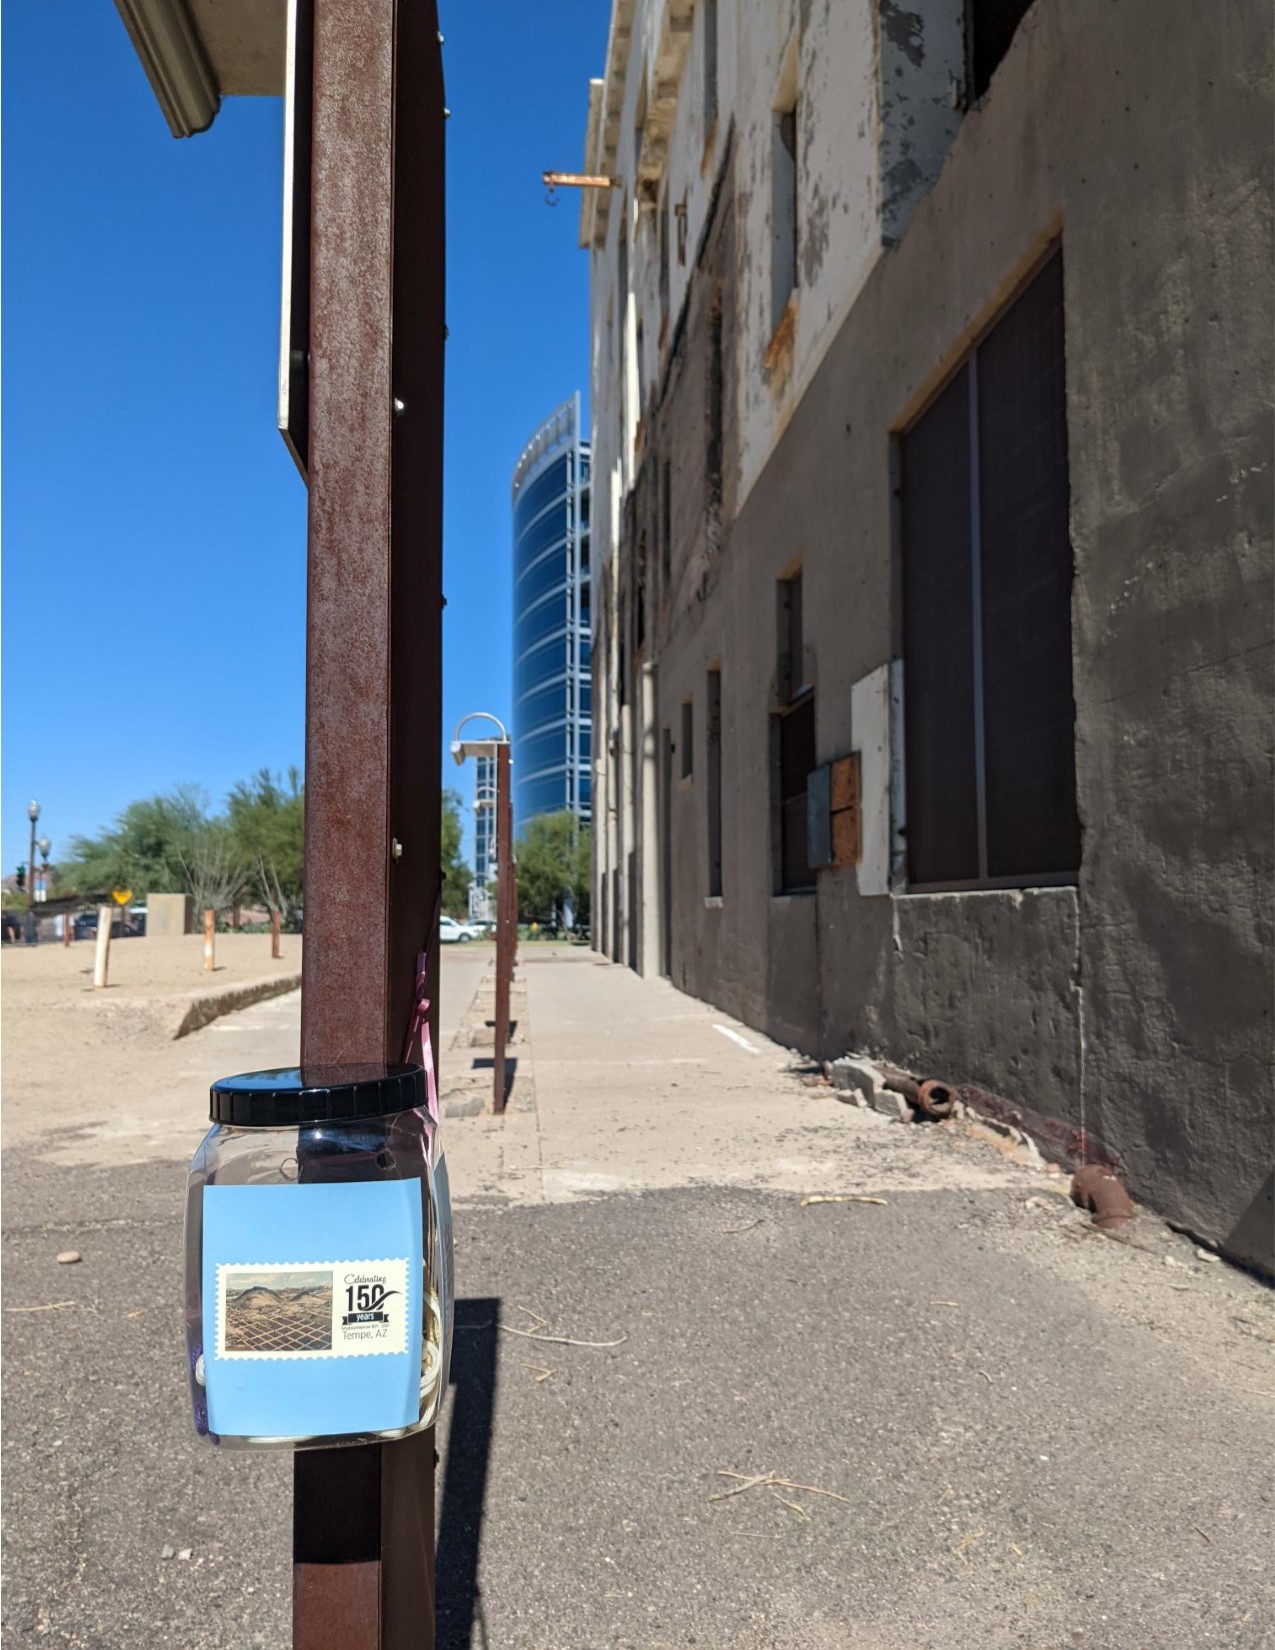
784	195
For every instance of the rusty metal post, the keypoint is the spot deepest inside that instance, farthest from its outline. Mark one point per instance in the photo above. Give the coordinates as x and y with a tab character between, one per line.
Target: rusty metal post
210	939
276	950
506	922
363	1518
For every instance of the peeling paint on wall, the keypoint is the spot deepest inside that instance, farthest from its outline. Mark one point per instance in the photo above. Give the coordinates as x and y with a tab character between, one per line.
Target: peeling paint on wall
905	30
922	69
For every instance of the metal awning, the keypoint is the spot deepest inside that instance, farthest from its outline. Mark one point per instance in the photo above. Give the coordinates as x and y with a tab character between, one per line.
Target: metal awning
195	52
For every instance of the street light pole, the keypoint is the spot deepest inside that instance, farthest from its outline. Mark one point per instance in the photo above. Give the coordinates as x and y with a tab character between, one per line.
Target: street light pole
33	813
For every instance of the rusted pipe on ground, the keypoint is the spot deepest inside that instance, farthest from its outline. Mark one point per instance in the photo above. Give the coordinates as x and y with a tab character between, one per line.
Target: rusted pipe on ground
898	1082
930	1097
1095	1188
935	1099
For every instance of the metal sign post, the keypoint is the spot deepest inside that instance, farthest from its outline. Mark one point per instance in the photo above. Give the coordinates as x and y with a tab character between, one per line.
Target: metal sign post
506	922
363	1521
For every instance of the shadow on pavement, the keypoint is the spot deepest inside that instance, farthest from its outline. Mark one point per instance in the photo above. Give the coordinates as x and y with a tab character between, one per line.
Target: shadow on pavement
511	1071
473	1402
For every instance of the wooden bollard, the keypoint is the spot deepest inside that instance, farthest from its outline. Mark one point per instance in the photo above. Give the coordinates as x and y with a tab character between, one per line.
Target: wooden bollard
210	940
101	956
276	949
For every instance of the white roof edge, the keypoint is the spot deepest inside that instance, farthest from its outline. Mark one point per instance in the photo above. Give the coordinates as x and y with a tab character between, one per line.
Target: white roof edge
172	53
561	429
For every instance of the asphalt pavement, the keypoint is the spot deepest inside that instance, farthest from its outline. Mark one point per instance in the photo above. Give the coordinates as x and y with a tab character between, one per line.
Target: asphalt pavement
956	1417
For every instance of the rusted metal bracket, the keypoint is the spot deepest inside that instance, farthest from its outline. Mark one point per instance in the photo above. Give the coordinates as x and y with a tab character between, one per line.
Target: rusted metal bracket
577	180
506	923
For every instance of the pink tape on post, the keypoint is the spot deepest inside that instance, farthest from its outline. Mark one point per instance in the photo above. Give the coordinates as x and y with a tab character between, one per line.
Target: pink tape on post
418	1029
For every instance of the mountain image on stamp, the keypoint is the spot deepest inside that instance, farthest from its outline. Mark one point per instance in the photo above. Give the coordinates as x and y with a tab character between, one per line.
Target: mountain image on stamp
278	1310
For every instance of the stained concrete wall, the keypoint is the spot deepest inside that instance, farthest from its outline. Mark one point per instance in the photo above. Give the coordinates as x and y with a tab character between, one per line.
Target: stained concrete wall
879	89
169	914
1137	1005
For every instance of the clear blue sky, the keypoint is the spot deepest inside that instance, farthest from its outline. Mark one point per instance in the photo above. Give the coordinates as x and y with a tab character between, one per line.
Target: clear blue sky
153	523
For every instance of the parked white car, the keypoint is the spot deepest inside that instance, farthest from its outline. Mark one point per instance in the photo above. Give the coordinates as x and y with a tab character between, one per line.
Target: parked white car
450	932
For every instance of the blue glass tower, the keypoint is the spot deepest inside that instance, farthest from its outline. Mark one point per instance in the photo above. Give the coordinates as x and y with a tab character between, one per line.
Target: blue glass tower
484	820
552	621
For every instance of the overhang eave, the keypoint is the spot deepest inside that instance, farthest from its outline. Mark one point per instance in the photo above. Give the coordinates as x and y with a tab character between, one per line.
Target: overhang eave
195	52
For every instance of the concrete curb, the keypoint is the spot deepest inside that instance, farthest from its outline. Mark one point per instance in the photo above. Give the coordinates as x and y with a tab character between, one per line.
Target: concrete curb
187	1011
203	1007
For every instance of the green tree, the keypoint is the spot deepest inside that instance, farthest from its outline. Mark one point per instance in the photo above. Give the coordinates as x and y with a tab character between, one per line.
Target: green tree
172	844
456	874
553	863
146	849
265	822
212	871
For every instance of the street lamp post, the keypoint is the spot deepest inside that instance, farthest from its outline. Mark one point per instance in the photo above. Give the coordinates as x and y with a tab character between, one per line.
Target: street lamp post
44	845
33	813
506	885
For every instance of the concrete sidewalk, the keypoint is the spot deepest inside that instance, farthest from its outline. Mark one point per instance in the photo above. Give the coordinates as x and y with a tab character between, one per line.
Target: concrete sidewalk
623	1085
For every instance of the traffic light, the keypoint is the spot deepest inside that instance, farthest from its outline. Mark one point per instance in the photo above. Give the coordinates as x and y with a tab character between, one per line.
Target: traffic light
22	878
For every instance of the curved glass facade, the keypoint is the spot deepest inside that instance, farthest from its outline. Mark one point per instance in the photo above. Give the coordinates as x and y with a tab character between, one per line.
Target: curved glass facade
484	820
551	732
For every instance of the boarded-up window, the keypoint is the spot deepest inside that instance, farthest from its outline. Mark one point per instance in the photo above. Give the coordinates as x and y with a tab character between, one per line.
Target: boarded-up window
793	743
716	396
639	596
987	572
714	730
791	638
666	523
795	759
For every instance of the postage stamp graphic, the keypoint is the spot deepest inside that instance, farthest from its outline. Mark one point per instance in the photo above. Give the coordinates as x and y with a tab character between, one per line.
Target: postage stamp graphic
319	1309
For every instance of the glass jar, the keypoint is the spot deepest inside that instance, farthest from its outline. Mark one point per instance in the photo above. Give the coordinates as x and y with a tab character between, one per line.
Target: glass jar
318	1259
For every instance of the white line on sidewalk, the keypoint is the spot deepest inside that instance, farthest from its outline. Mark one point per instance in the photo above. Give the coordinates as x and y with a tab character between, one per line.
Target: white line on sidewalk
736	1038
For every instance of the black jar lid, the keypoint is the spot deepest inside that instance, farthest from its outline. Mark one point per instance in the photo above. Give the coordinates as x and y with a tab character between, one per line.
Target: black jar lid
298	1095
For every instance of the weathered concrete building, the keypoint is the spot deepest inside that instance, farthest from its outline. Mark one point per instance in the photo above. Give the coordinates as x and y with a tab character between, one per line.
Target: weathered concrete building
931	358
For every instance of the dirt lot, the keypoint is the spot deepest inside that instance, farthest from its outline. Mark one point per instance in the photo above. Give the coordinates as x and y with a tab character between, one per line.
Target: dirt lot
42	976
76	1059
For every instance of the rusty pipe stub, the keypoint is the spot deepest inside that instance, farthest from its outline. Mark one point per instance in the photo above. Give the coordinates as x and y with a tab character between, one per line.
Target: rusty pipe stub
1097	1189
936	1099
899	1082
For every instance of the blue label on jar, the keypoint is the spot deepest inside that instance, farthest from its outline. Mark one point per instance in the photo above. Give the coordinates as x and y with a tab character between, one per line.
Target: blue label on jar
312	1308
